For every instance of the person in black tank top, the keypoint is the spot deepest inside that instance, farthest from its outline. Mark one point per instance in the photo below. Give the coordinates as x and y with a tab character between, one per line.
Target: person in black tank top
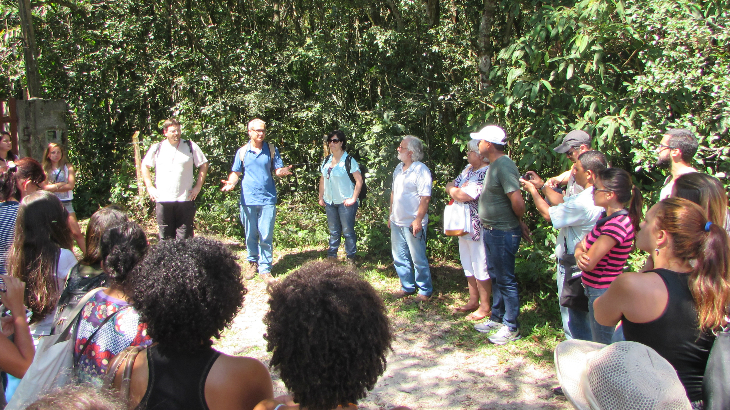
188	291
675	307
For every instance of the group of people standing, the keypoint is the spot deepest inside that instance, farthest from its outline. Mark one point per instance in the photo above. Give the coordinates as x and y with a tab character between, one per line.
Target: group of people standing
136	309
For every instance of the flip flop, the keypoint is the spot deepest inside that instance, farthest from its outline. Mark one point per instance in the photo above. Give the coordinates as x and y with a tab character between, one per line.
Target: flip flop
474	316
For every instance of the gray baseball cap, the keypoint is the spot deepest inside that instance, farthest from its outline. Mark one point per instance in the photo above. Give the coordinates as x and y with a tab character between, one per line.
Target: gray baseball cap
575	138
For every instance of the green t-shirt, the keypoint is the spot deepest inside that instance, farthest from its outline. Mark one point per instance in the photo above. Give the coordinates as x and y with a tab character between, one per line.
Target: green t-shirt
495	208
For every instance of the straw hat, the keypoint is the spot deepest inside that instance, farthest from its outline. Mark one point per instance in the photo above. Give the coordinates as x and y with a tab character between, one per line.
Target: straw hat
620	376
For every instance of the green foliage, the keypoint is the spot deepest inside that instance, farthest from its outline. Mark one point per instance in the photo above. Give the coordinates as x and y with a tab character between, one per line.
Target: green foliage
623	70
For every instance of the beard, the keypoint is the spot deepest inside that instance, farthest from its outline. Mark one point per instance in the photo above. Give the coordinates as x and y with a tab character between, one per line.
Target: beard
400	156
662	162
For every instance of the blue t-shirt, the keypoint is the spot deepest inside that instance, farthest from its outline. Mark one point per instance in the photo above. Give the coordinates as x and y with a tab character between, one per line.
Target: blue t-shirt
257	184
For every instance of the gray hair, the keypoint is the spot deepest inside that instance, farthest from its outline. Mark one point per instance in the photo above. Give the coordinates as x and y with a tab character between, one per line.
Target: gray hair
415	145
256	121
473	145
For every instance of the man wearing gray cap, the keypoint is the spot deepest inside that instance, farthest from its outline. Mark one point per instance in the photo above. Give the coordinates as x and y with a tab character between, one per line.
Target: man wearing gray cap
501	207
574	143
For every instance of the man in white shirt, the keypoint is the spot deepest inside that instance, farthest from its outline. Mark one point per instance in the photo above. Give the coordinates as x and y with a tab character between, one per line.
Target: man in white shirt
408	220
173	190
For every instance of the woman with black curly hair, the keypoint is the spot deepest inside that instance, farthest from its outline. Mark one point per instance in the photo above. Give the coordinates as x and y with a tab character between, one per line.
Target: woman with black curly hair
108	323
329	334
188	291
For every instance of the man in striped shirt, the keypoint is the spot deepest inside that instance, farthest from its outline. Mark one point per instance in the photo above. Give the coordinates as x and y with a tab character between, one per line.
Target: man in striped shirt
575	217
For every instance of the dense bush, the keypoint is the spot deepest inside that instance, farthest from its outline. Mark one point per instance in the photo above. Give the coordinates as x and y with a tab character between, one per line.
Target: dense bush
623	70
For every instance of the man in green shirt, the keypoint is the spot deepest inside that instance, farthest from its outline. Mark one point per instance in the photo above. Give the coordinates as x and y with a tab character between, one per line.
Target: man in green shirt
501	207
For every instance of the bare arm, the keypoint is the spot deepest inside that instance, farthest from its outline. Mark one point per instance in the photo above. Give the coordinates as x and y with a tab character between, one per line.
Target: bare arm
588	260
456	193
147	176
358	186
17	355
518	203
202	173
230	183
420	214
390	212
283	171
63	186
542	206
321	191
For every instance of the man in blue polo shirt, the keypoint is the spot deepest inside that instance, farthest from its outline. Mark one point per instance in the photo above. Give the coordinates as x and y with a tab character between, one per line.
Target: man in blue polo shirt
256	162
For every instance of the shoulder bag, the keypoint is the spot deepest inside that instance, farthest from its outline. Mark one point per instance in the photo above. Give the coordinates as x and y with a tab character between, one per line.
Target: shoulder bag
52	365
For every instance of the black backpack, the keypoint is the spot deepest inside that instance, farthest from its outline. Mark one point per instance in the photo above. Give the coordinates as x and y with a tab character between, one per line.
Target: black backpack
348	166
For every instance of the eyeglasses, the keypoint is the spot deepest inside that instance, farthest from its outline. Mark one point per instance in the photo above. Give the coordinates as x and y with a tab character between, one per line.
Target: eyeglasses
334	141
329	172
571	151
261	131
662	147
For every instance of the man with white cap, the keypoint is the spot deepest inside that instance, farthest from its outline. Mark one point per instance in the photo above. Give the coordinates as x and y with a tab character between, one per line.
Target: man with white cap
501	207
574	143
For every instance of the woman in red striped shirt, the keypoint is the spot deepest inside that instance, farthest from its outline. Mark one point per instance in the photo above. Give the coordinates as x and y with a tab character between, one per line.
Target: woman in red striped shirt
602	254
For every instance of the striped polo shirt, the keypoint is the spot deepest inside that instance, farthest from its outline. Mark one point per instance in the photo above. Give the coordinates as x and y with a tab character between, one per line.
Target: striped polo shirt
618	226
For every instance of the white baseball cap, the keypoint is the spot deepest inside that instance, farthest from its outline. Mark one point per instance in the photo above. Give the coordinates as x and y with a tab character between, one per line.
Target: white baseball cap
491	133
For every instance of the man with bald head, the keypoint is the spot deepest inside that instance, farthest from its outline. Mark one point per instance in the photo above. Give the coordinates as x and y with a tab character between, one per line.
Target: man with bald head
256	164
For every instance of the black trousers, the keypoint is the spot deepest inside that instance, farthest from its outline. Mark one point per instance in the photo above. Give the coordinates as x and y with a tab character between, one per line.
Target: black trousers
175	219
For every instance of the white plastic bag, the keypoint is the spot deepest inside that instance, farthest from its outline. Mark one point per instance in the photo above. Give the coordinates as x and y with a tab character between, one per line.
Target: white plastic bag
457	219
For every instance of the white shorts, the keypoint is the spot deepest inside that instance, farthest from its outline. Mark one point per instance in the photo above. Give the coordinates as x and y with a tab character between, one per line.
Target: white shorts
473	257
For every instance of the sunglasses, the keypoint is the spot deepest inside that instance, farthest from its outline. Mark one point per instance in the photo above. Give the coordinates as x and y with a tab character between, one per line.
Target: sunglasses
334	140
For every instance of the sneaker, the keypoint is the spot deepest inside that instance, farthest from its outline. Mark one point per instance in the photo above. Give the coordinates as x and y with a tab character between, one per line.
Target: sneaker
251	270
487	326
504	336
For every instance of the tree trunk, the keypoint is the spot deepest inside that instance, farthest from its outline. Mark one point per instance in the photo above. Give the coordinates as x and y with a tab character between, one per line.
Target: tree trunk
29	49
484	42
433	12
396	13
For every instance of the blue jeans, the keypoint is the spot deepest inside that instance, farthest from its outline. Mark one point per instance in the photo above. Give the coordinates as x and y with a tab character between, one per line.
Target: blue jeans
341	222
601	334
258	221
501	247
409	254
575	322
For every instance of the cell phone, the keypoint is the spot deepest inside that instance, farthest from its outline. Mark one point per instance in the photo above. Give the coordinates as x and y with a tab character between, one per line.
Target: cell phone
527	177
301	164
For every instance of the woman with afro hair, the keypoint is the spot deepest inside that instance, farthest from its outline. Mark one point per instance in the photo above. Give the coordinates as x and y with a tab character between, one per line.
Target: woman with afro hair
187	291
328	333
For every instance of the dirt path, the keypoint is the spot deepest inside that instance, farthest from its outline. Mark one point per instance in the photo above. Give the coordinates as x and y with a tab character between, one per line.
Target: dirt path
424	371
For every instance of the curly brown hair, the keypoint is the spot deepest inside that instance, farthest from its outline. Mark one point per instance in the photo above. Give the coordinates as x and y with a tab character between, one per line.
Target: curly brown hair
329	334
187	291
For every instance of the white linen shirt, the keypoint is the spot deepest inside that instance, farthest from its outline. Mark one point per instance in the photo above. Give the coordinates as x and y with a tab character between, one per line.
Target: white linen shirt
174	169
575	217
408	188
